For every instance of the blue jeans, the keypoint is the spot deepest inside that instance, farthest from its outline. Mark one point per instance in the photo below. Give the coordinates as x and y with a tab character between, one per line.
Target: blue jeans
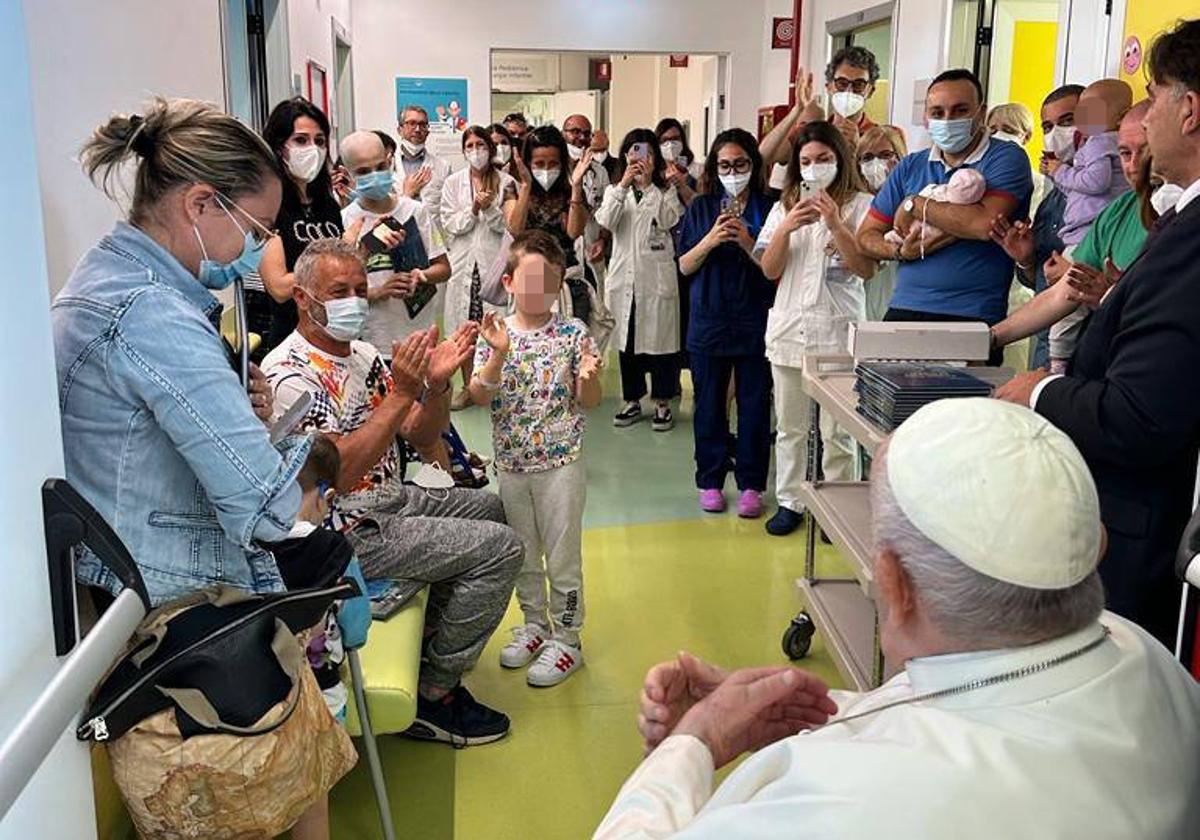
752	451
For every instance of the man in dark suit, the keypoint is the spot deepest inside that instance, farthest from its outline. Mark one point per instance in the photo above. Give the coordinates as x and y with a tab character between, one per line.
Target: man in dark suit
1131	402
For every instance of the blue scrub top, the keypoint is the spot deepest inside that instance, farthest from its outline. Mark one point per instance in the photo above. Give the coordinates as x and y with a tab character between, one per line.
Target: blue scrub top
730	297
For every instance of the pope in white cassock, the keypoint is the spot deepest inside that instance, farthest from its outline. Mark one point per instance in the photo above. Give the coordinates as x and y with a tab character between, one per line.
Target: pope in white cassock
1023	710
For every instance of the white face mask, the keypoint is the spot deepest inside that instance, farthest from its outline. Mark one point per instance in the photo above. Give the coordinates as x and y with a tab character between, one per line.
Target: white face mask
1061	141
599	157
503	154
847	103
547	177
671	150
819	175
1011	138
734	183
478	158
1165	197
412	149
876	173
305	162
779	176
574	152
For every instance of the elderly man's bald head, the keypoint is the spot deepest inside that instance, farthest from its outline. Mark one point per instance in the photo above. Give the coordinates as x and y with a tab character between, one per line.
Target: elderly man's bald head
361	149
1131	144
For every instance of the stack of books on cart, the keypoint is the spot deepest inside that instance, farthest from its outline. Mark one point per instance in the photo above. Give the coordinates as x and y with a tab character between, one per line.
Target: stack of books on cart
890	392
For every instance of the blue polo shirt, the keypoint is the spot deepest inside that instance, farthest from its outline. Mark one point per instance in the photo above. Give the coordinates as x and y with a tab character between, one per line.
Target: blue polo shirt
969	278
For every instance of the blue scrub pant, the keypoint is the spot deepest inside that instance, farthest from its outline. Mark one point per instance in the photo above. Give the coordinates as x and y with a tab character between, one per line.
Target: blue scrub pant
752	451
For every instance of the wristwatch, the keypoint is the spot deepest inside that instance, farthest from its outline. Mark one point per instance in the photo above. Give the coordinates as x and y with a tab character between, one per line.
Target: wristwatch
910	205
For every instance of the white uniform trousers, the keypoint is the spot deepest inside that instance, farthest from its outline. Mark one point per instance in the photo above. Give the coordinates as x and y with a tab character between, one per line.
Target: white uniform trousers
792	414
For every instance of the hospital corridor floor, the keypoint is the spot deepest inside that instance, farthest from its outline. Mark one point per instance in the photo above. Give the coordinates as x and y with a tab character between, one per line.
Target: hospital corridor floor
660	577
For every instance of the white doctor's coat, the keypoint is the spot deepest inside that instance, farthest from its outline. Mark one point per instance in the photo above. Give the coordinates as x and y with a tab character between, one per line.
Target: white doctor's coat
470	240
643	266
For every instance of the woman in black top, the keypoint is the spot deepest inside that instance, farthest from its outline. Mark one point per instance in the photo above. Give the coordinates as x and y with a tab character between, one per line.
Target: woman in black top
298	132
551	200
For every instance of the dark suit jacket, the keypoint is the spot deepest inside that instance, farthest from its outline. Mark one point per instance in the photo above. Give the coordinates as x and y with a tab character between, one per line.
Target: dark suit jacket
1132	406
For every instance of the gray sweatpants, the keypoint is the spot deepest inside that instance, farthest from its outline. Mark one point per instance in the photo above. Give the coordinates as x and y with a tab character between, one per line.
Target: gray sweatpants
546	509
456	542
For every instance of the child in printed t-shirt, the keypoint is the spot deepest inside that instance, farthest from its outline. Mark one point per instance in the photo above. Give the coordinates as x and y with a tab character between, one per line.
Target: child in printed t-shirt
312	557
538	371
1091	181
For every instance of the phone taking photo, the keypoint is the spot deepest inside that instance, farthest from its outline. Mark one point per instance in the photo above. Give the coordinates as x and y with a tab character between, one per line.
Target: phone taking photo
376	240
640	151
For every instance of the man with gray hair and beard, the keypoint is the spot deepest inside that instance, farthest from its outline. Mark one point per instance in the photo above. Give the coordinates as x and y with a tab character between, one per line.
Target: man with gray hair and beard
1023	710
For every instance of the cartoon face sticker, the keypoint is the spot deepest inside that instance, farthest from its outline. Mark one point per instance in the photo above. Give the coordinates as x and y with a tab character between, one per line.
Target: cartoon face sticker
1131	58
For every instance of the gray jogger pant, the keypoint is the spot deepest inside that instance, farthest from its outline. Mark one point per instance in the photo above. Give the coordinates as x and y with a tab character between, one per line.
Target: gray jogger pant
456	542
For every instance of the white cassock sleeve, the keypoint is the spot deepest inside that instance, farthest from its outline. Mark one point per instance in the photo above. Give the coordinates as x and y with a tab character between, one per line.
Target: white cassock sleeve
664	794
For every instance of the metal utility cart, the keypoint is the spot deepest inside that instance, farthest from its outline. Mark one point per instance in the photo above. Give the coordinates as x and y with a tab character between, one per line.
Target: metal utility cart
843	609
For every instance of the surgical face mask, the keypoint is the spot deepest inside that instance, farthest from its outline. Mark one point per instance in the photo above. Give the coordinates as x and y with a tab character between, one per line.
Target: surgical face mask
671	150
734	183
1165	197
1060	140
847	103
1011	138
305	162
503	154
599	157
547	177
779	176
375	185
344	317
478	158
876	173
412	149
820	175
574	152
952	136
217	275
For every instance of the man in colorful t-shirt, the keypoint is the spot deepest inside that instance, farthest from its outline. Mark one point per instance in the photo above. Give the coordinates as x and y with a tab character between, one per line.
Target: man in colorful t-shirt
454	541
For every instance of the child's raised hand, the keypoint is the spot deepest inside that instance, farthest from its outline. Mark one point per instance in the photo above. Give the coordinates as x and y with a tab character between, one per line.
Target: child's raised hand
589	368
495	333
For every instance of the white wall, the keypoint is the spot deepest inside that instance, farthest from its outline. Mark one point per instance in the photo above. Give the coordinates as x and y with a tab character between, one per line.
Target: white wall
776	64
310	35
476	26
58	801
88	60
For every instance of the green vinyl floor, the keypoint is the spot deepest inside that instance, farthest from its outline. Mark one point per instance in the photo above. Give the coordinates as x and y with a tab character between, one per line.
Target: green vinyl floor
660	577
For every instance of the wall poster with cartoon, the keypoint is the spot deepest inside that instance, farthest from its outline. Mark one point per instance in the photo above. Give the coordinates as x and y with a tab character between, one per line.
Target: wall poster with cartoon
444	99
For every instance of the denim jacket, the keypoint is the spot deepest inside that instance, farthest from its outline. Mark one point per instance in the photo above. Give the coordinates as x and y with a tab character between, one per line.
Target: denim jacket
157	430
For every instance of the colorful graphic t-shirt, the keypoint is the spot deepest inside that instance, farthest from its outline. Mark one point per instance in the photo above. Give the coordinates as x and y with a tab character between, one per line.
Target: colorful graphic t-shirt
345	390
537	423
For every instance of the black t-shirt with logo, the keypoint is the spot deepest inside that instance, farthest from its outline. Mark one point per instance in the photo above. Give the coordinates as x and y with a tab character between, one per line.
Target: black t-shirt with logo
299	224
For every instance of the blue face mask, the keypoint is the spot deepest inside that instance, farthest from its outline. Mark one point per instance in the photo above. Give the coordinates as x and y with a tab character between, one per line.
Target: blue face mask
217	275
375	185
952	135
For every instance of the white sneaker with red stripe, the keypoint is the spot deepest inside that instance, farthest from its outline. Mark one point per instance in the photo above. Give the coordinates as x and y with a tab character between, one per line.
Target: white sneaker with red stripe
555	663
525	644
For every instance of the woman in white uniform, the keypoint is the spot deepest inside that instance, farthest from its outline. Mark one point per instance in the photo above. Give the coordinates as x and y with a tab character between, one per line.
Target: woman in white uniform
880	151
476	205
808	244
642	289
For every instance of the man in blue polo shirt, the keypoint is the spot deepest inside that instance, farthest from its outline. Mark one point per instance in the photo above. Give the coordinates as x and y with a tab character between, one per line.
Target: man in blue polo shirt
964	275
